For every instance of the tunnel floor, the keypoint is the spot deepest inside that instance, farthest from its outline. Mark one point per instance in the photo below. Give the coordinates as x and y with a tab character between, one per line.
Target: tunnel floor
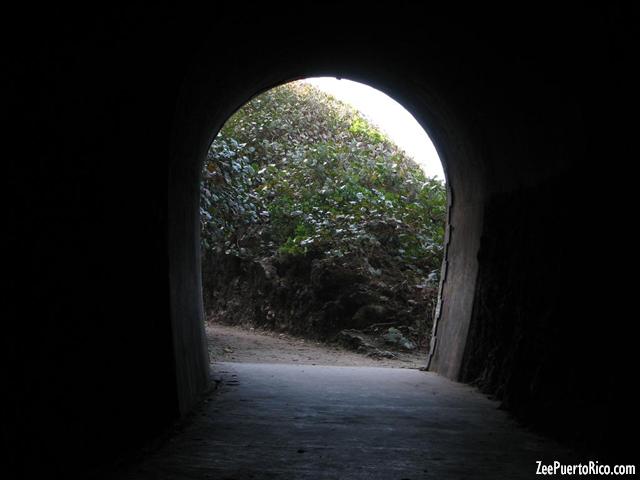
278	421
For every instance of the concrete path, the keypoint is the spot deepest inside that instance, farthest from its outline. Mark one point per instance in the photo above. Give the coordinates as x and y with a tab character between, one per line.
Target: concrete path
290	422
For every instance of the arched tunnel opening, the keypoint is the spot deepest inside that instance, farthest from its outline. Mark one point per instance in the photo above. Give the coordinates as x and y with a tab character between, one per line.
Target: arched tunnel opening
106	346
318	222
465	177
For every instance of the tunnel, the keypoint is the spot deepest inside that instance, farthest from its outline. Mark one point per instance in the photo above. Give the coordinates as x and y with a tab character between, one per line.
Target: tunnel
527	110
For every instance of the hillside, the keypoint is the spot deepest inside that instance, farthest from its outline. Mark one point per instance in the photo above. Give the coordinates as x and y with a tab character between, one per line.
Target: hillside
314	222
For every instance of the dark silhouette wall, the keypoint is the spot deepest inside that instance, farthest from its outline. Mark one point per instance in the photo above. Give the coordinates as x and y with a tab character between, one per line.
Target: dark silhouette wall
115	112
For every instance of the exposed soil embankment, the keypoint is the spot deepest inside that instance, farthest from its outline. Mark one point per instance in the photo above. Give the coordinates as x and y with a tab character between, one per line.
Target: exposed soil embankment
365	304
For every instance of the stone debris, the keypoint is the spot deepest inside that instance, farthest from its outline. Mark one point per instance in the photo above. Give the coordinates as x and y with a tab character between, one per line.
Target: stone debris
395	337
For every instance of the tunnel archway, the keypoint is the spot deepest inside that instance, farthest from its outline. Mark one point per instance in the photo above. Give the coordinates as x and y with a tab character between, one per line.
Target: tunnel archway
533	104
202	112
297	196
513	139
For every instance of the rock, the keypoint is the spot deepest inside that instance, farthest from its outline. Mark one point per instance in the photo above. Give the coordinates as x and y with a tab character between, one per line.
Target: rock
377	353
408	344
353	339
395	337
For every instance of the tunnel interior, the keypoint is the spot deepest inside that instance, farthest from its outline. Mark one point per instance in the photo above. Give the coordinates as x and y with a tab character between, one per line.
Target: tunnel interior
108	348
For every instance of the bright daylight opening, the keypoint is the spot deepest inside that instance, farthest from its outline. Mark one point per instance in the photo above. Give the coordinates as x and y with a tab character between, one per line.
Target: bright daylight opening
323	210
389	116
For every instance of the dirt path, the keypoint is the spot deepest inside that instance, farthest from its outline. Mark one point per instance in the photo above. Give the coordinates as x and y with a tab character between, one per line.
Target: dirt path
243	345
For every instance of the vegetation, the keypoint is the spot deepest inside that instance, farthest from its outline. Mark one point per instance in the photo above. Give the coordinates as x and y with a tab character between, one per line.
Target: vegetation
296	173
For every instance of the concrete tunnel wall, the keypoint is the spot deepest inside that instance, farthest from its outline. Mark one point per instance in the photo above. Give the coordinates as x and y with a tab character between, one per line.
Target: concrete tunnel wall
105	341
203	109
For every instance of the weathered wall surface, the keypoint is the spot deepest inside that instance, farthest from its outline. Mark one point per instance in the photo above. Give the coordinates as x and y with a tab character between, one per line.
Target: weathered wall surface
105	340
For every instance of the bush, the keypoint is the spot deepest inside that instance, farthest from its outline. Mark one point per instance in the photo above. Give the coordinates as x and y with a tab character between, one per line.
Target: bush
295	167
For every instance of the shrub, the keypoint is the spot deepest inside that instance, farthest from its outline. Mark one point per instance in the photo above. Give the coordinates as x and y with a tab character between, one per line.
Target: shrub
294	167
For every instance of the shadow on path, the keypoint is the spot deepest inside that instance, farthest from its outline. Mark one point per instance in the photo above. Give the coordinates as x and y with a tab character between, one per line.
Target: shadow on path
270	421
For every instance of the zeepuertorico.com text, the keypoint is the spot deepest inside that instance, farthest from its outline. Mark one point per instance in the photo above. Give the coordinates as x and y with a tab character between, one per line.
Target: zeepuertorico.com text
589	468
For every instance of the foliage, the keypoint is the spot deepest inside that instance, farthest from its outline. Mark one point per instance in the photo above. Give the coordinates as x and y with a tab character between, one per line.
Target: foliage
295	171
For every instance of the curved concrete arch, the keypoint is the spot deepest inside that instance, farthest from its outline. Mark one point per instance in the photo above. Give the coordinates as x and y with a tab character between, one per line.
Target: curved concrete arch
203	109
